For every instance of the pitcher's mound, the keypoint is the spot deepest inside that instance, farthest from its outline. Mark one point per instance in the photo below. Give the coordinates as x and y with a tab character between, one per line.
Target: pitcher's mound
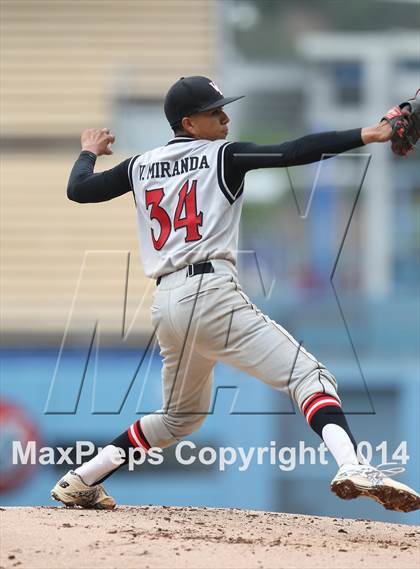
157	537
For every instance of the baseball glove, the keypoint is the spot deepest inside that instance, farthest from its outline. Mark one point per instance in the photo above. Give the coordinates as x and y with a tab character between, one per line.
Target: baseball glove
405	122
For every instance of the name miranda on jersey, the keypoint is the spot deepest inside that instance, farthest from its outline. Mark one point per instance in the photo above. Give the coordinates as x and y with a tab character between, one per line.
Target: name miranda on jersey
169	169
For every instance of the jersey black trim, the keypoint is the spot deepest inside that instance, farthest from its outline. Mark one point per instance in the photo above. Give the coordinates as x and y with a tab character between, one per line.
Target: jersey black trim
181	139
220	174
130	176
130	171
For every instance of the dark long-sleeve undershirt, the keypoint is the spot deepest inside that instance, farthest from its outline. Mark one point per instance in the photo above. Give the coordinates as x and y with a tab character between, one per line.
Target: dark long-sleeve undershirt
240	157
86	187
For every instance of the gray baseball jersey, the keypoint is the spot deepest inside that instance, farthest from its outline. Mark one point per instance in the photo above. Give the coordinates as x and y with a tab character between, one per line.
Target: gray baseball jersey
185	210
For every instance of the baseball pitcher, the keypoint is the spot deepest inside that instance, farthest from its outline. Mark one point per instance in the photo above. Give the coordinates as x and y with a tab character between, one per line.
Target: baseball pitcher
189	195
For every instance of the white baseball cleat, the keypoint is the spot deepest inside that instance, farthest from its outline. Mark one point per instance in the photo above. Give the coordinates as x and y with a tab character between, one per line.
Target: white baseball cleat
353	480
72	491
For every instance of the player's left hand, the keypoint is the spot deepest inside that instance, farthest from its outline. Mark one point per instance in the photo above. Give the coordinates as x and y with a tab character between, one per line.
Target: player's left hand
404	120
97	140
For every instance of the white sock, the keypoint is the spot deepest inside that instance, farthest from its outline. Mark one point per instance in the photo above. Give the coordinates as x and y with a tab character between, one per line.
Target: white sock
339	444
107	460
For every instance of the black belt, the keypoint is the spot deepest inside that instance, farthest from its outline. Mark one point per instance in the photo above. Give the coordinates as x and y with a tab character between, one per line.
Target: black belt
196	269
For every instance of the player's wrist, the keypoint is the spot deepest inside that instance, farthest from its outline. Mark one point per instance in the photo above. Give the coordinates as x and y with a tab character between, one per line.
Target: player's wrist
91	149
368	134
376	133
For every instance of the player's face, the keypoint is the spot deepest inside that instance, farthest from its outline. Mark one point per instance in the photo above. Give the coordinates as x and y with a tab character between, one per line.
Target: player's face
209	125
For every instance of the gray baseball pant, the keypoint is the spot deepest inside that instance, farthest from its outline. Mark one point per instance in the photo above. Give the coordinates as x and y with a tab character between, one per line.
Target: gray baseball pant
207	318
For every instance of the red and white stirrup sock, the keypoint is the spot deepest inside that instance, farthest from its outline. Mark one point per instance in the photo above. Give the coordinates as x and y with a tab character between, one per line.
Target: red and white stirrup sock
136	436
324	415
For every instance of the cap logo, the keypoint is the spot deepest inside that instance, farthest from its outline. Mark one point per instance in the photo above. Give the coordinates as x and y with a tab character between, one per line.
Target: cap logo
215	87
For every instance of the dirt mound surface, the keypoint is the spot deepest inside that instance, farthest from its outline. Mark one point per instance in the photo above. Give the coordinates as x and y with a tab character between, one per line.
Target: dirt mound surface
160	537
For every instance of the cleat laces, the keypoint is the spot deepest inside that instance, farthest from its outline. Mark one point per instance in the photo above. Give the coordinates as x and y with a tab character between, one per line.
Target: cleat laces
376	475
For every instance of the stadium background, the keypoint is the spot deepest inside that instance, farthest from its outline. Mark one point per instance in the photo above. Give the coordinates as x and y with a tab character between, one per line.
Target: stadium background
66	312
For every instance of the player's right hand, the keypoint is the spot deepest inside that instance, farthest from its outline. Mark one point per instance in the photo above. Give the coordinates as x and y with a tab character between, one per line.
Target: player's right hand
97	140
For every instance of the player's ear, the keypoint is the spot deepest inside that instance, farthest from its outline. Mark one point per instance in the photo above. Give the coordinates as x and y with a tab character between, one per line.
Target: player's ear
188	125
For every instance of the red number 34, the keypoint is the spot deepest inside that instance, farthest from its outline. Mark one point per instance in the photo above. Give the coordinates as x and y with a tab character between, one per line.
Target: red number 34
187	201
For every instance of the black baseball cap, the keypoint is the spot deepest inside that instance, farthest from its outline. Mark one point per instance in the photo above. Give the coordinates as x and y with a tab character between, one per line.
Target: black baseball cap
191	95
